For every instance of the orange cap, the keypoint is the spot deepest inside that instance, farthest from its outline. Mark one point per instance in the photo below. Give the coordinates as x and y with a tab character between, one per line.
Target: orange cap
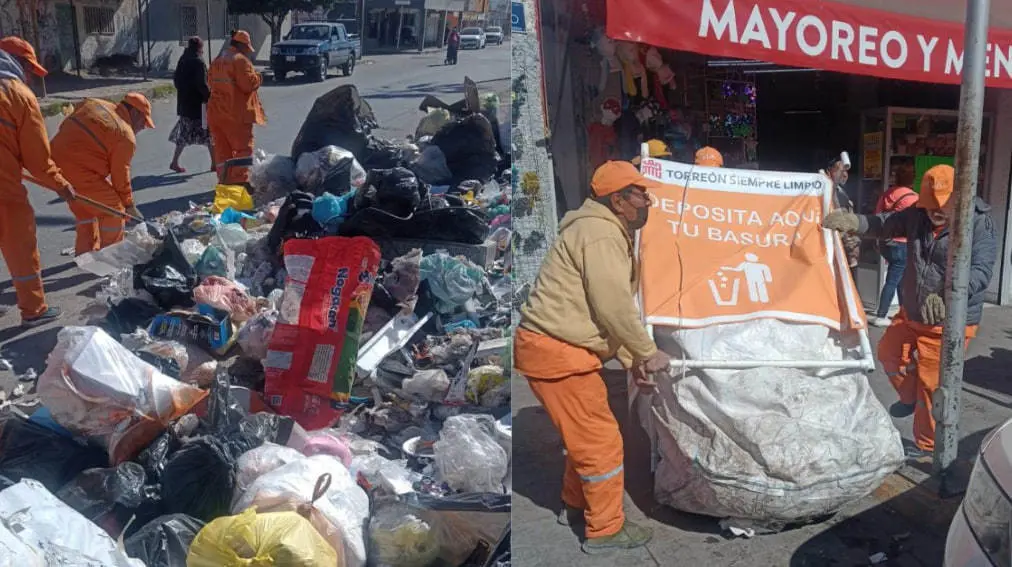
242	36
140	103
709	157
615	176
935	195
21	48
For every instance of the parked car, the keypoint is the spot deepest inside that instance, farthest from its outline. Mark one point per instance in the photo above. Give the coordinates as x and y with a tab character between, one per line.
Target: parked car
472	38
493	34
314	48
981	532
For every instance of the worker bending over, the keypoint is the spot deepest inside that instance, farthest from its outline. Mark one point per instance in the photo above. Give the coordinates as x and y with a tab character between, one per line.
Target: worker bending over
917	328
94	148
234	106
581	312
24	144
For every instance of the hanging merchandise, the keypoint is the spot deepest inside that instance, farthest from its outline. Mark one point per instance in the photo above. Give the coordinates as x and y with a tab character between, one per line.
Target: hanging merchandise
311	359
602	139
632	69
610	62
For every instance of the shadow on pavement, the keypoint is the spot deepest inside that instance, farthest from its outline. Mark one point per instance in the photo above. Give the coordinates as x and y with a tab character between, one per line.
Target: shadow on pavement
46	273
57	83
163	206
28	351
991	371
54	220
142	182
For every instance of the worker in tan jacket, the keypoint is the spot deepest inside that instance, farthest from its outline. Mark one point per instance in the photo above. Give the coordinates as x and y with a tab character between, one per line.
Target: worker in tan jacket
580	312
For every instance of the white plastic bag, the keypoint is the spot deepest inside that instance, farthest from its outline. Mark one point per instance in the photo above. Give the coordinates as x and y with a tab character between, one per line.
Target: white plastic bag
468	457
56	532
766	446
137	247
94	386
255	463
344	504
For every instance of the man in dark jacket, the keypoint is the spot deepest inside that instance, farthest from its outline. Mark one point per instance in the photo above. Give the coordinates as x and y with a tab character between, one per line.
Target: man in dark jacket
918	326
192	92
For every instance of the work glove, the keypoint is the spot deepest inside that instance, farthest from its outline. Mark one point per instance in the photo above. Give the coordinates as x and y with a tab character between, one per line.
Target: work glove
132	211
841	221
66	193
933	310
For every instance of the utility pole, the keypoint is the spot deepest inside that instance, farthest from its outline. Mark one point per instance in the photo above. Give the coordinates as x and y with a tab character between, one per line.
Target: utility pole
947	399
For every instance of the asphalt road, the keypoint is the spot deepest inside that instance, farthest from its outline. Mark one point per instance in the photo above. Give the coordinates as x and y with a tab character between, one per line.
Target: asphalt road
393	84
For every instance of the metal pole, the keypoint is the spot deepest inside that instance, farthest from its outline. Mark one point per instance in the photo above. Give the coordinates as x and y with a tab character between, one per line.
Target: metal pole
207	16
957	275
140	39
361	32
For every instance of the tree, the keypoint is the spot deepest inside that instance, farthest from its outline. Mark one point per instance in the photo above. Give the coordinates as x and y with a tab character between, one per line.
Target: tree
274	12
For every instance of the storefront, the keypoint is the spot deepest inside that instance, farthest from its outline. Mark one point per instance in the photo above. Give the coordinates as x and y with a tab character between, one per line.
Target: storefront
772	84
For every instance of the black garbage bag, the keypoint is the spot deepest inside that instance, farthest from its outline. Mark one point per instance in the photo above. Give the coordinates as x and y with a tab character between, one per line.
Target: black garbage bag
295	220
464	529
199	479
452	224
128	315
329	169
30	450
154	457
96	492
164	541
165	364
339	118
168	277
381	154
470	148
374	223
395	190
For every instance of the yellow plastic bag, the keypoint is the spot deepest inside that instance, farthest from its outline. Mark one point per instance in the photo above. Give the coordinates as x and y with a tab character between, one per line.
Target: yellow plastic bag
235	196
277	539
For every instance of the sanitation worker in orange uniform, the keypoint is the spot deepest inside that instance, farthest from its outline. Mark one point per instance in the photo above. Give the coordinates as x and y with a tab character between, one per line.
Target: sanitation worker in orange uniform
709	157
24	144
234	106
580	312
918	326
94	148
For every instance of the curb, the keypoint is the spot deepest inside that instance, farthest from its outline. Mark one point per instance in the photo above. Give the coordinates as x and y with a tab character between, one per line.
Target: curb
153	93
914	495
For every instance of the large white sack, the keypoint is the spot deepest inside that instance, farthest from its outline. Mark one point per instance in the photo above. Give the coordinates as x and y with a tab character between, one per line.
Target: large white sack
55	531
767	445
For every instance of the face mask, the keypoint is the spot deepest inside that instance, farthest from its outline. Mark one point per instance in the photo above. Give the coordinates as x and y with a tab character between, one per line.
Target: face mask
641	218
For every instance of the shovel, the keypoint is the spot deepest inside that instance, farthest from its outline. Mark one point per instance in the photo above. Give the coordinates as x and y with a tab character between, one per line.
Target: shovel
88	201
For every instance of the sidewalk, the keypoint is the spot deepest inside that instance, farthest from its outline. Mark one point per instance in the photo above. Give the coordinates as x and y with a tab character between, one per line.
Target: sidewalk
62	89
904	518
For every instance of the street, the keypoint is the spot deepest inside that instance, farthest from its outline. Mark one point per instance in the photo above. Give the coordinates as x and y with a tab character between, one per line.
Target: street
393	85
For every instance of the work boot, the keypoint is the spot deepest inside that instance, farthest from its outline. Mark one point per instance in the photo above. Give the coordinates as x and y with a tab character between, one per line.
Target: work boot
569	516
630	536
913	452
899	410
51	314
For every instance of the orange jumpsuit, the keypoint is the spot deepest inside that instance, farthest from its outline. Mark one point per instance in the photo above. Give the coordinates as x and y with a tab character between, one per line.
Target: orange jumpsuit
233	109
24	143
916	381
94	148
566	380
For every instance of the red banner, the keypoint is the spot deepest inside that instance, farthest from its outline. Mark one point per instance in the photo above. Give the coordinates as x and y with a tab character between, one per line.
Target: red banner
802	33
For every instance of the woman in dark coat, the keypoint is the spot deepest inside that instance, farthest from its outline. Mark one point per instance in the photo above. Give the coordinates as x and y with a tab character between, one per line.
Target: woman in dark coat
192	93
452	44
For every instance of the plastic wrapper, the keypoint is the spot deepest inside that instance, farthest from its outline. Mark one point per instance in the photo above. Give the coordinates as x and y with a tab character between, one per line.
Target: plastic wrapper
164	541
231	236
192	249
218	261
231	196
330	211
137	247
278	539
259	461
344	504
95	387
31	450
224	294
468	457
418	530
377	472
404	278
55	531
271	176
314	346
96	492
452	280
172	350
429	385
168	277
118	287
329	169
255	336
339	118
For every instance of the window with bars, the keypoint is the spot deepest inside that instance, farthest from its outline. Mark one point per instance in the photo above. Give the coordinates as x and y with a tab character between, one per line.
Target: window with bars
187	23
99	20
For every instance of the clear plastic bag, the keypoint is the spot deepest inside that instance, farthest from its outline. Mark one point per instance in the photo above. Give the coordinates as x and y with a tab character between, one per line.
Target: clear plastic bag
255	335
255	463
95	492
399	537
393	477
279	539
56	531
232	236
468	457
224	294
329	169
453	280
428	385
344	504
94	386
271	176
193	249
137	247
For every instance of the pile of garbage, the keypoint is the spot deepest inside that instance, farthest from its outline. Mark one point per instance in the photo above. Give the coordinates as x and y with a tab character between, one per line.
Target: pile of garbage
310	371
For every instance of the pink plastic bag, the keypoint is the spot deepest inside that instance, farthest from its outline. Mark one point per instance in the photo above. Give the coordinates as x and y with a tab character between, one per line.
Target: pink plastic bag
326	442
222	293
